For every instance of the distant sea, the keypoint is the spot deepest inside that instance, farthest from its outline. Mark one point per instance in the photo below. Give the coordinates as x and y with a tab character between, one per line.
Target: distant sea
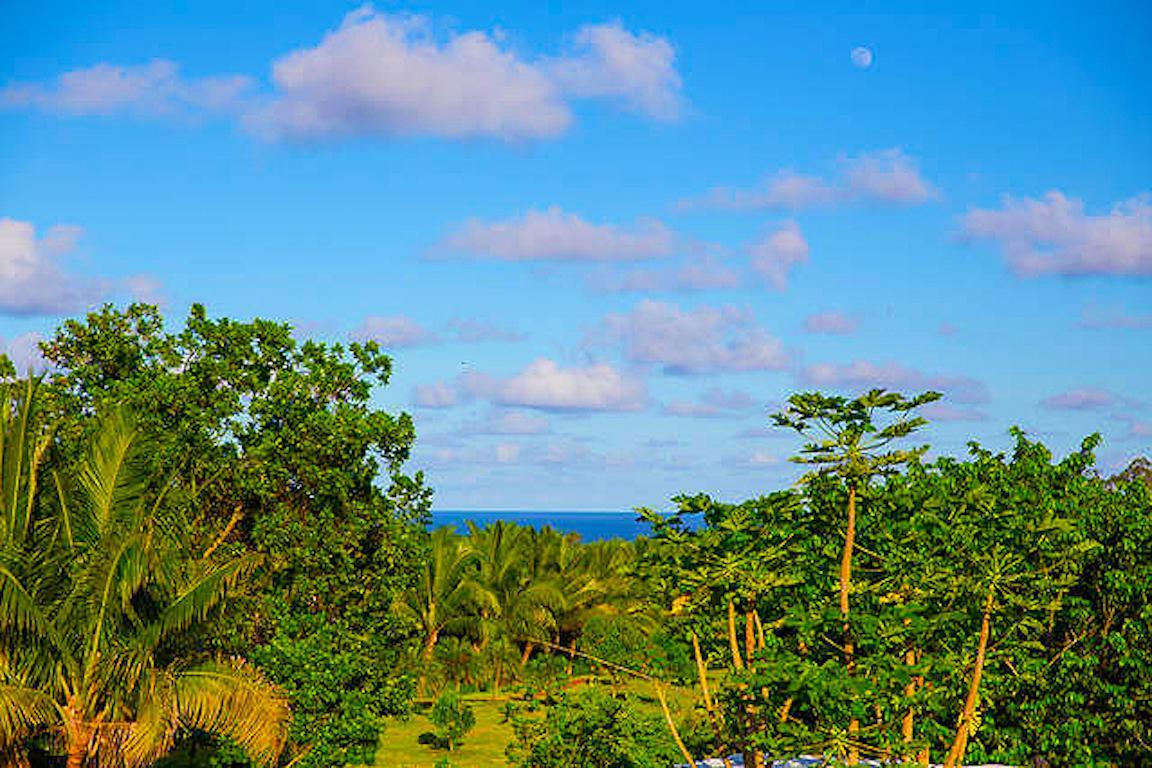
591	525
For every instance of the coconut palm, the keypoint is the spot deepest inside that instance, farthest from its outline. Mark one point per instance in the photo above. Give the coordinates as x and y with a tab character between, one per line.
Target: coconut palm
446	592
97	601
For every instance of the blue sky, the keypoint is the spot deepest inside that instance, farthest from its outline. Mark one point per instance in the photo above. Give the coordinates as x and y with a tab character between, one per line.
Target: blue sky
603	242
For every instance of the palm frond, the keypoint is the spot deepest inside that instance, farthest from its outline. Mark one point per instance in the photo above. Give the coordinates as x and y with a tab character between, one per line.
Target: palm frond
231	698
22	712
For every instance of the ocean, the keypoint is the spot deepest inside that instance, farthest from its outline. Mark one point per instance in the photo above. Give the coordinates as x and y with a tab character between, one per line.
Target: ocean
591	525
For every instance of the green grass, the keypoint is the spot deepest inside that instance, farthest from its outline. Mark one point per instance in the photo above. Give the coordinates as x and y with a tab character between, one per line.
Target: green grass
483	746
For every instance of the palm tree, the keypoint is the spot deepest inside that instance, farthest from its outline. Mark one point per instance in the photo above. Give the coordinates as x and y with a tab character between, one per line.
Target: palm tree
95	600
445	592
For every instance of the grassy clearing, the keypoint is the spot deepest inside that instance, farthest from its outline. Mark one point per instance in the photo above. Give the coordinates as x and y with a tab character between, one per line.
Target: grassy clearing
484	746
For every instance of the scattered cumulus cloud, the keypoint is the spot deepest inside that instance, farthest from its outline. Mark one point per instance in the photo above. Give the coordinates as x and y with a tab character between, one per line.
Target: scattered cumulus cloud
436	395
473	331
775	253
1082	399
386	75
713	403
154	89
24	352
705	340
704	274
34	279
511	422
864	374
555	235
1114	319
831	322
886	176
939	411
546	385
609	62
752	460
1054	235
394	332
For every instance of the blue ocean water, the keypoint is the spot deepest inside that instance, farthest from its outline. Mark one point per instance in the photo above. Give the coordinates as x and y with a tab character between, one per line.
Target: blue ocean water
591	525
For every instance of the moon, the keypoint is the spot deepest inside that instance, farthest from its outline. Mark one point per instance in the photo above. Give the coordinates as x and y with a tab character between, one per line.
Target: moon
861	57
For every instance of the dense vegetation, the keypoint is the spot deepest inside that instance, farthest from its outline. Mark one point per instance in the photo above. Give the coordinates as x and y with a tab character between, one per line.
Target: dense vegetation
209	547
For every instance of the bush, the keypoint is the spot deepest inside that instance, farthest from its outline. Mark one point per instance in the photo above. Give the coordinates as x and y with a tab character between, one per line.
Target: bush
593	730
452	718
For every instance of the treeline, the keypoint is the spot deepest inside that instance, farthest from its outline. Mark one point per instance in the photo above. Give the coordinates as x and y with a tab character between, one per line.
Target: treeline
209	547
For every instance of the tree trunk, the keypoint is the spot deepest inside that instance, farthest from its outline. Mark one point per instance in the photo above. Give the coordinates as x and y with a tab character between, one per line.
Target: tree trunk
759	629
527	654
736	660
571	654
702	671
908	725
749	636
960	743
672	723
845	588
429	649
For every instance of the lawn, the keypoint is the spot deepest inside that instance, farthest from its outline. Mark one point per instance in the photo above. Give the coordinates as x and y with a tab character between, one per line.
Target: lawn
483	747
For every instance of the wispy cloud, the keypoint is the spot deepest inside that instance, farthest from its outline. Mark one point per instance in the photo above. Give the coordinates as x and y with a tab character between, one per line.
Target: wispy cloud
35	281
154	89
555	235
864	374
777	252
693	341
386	75
1082	399
702	274
714	403
24	352
1054	236
548	386
394	332
831	322
1116	318
886	176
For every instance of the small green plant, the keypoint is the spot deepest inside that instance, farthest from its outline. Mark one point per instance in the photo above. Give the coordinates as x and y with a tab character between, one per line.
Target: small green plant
452	718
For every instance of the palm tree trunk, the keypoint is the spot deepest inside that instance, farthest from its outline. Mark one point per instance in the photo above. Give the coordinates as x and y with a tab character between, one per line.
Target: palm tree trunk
759	629
960	743
702	671
845	588
527	654
749	636
672	723
571	654
736	660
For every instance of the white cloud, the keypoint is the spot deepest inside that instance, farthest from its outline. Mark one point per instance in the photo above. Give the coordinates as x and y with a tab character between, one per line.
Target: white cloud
694	341
24	352
885	176
545	385
437	395
1082	399
775	254
608	61
753	460
33	281
382	74
706	274
831	322
1054	235
511	422
713	403
1115	318
154	89
394	332
863	374
473	331
554	235
944	412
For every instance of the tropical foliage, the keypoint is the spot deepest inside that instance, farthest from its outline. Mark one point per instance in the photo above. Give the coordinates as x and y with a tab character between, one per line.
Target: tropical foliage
208	544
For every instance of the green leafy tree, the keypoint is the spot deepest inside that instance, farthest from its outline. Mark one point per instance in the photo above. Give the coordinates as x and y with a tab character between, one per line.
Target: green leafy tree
287	457
851	442
99	586
453	719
